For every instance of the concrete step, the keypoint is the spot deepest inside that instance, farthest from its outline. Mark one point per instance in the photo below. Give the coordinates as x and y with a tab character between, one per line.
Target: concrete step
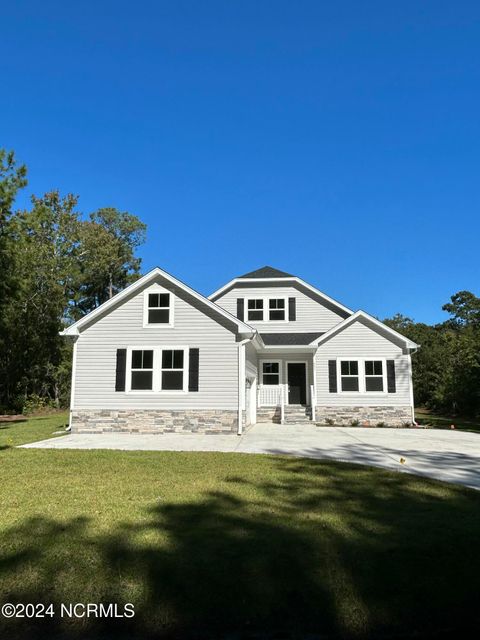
297	413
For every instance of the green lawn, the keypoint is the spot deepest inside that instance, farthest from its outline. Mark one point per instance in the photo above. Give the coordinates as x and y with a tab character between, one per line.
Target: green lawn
226	545
32	429
425	417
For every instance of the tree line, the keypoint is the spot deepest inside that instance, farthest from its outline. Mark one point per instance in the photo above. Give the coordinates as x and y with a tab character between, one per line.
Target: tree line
57	264
446	368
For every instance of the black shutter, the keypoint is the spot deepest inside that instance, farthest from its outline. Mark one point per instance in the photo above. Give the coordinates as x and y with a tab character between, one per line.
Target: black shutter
121	370
292	309
194	358
391	384
240	302
332	376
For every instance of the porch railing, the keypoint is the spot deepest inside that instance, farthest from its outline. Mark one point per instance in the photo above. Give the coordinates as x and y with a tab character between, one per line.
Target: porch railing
271	395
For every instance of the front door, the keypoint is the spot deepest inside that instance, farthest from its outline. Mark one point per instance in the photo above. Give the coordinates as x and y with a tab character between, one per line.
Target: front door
297	382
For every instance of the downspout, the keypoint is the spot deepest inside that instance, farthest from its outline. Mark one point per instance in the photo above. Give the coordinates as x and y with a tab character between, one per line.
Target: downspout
313	400
410	376
72	389
241	381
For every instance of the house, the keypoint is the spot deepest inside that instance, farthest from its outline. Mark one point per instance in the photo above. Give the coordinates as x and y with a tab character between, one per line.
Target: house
267	346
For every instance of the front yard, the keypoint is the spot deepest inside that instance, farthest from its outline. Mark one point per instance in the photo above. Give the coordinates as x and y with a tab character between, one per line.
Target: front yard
425	417
230	545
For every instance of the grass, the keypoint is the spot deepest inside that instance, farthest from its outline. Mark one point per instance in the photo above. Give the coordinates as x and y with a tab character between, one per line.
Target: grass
26	430
426	417
212	545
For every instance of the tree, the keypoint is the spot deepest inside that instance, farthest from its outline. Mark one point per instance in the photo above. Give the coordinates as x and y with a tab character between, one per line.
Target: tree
127	232
12	179
465	309
64	266
446	368
46	241
107	259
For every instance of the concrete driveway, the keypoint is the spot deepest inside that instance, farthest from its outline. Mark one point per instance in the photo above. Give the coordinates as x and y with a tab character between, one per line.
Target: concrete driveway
453	456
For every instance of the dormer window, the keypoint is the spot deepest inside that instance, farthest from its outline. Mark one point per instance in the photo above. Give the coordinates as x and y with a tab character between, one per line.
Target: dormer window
276	309
158	308
255	309
266	309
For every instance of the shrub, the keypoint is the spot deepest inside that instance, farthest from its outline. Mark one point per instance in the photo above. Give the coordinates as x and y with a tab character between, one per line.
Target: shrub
36	404
354	423
329	421
381	424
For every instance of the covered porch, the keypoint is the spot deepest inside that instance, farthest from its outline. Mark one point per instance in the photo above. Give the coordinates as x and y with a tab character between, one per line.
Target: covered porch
286	385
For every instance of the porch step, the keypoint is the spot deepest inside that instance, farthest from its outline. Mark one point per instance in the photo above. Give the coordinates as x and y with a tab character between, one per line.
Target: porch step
297	413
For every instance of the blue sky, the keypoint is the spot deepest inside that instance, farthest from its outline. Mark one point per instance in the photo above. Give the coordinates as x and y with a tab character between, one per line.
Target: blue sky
339	141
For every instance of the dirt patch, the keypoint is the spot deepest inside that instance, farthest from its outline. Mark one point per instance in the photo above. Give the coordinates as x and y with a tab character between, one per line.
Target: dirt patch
15	418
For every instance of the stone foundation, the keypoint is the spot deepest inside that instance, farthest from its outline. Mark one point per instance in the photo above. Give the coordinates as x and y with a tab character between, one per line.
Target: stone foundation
154	421
391	416
268	414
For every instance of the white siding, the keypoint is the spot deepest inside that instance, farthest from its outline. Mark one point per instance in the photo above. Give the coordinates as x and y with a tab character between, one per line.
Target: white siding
122	327
250	361
360	341
311	314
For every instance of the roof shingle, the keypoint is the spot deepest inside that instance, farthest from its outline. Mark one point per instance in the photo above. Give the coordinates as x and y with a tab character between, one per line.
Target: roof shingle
267	272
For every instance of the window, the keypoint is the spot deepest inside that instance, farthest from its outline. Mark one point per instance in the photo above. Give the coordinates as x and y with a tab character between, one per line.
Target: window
362	376
277	309
255	309
173	372
266	309
373	375
158	310
349	375
158	369
271	373
142	370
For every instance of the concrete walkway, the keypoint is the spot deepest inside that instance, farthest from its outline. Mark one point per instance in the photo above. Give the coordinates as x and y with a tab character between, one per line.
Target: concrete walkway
453	456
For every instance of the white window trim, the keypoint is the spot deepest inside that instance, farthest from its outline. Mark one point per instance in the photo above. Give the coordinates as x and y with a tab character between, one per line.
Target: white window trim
157	370
266	309
361	376
186	369
273	360
245	304
156	288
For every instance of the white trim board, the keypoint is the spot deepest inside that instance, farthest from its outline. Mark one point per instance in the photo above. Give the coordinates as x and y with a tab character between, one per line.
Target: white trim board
280	371
299	281
157	370
266	309
391	333
156	288
141	282
362	376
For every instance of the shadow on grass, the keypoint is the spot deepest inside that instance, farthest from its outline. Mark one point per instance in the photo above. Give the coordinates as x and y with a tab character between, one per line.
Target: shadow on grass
452	466
318	551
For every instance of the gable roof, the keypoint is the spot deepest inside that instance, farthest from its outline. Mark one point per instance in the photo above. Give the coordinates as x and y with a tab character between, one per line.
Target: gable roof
267	272
297	339
73	329
284	278
376	326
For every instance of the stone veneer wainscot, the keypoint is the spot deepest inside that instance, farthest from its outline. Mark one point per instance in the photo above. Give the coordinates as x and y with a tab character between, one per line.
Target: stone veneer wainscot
392	416
154	421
